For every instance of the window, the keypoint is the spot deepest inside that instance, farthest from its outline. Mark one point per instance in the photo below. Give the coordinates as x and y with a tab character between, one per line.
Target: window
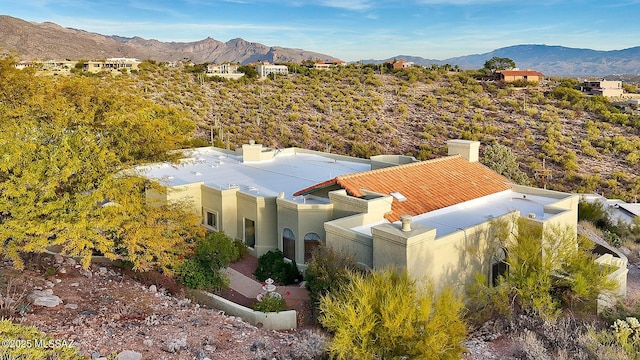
499	266
311	242
289	244
211	219
250	233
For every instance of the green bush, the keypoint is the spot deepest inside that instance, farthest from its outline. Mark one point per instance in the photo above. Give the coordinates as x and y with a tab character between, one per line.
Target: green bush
388	315
270	303
242	250
202	268
328	271
565	277
272	265
26	342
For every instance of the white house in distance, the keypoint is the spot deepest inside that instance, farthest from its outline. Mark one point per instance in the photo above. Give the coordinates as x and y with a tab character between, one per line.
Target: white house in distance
608	88
227	71
265	69
424	216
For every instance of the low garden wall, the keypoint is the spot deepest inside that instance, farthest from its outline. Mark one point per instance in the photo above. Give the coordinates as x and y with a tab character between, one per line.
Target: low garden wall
283	320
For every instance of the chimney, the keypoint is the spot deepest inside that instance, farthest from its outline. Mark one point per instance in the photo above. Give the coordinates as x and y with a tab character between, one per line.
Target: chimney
468	149
406	222
251	151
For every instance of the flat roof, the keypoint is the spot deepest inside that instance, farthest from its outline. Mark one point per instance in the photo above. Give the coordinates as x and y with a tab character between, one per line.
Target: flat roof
288	172
474	212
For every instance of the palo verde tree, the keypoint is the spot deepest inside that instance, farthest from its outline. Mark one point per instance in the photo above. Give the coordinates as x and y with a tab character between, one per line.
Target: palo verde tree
548	271
500	159
388	315
68	147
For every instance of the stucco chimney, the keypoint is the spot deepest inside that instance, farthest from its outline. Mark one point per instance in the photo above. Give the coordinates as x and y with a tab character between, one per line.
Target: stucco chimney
251	151
468	149
406	222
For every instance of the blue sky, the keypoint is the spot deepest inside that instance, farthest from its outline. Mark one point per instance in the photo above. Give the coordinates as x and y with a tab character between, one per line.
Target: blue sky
355	29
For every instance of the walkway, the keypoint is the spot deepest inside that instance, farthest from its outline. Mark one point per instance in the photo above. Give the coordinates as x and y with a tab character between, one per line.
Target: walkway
242	281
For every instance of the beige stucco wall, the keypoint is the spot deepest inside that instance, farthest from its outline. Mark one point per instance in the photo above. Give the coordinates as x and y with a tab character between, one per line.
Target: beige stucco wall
302	219
224	203
263	211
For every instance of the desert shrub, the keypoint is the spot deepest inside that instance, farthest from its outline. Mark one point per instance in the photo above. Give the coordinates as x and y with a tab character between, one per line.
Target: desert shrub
595	213
328	271
272	265
312	345
500	159
33	344
13	296
388	315
547	271
270	303
201	270
242	250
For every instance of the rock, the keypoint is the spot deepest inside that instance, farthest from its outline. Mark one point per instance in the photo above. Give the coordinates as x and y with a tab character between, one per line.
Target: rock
71	306
70	262
175	345
129	355
86	273
49	284
148	342
75	284
153	288
102	271
58	259
625	250
62	270
44	298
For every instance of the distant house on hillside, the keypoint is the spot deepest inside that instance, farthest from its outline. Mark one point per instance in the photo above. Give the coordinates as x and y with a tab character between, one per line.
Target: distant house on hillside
227	71
265	69
111	64
522	75
399	64
603	87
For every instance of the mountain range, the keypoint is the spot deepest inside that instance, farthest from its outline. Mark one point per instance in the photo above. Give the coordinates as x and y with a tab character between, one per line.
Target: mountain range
32	41
550	60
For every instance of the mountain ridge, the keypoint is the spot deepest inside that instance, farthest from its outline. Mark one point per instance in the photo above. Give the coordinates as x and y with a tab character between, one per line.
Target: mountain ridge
48	40
549	59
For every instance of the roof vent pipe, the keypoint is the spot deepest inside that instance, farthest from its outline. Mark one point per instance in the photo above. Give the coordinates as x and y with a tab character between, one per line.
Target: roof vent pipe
406	222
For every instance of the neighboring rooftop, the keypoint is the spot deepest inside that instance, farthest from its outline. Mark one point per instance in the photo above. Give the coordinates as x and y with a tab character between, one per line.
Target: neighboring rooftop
287	171
421	187
477	211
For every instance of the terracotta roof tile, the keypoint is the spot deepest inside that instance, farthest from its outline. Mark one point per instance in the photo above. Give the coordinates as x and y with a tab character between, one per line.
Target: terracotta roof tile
521	73
427	185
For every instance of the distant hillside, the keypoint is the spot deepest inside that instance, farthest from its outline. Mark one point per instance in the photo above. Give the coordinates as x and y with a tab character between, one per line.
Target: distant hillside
50	41
550	60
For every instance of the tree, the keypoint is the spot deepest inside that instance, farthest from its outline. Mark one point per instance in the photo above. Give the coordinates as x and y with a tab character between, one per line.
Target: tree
387	315
500	159
498	63
249	71
69	147
547	271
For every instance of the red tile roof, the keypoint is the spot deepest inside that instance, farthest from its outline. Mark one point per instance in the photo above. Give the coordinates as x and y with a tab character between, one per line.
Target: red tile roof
427	185
521	73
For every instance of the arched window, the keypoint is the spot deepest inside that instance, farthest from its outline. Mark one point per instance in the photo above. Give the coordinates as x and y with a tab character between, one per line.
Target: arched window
499	266
289	244
311	241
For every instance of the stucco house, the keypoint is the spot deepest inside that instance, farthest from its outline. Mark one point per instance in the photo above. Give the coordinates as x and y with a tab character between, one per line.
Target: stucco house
265	69
608	88
523	75
431	216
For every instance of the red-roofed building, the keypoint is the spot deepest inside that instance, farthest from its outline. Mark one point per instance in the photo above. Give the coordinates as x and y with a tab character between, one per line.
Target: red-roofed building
524	75
433	218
